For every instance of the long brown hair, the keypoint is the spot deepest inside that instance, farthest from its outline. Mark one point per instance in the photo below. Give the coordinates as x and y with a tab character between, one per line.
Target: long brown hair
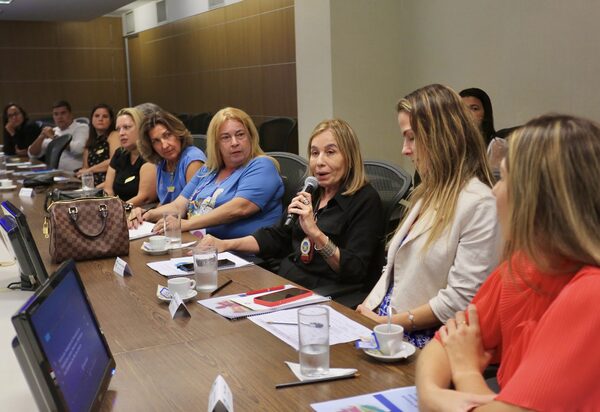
450	145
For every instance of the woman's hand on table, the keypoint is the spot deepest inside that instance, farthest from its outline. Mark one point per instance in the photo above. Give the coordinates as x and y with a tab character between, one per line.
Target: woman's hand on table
365	311
438	399
136	218
209	240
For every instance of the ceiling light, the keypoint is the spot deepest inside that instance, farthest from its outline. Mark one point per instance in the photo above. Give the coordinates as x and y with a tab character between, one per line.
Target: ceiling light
5	1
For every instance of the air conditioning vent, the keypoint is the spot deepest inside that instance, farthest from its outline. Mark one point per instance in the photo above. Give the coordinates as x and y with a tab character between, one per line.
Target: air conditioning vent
213	4
161	11
129	23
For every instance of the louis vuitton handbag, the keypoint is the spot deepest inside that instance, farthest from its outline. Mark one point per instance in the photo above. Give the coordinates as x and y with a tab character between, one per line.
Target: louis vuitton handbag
86	228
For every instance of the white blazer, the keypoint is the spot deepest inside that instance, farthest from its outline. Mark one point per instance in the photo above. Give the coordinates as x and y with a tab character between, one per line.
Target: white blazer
449	273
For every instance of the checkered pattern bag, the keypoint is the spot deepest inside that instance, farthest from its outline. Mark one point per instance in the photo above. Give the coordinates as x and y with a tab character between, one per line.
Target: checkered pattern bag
87	228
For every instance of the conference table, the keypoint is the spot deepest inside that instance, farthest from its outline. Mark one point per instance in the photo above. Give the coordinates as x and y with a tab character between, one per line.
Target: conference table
170	364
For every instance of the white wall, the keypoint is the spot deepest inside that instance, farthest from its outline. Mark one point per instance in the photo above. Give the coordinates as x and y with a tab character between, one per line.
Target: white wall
530	56
314	77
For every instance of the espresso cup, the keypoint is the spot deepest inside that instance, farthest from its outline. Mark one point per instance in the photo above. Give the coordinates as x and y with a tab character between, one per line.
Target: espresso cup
158	242
390	338
181	286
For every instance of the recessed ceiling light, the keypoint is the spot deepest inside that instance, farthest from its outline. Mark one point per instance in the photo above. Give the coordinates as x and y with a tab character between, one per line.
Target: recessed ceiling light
5	1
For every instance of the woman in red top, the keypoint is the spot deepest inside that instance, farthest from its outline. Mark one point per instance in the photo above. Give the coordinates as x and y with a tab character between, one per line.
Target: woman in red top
536	314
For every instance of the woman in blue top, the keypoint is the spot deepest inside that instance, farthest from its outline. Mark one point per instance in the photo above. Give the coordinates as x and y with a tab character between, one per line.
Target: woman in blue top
167	143
236	192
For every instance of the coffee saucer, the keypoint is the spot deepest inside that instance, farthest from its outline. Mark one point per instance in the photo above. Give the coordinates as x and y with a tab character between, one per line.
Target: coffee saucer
154	252
193	293
11	187
408	349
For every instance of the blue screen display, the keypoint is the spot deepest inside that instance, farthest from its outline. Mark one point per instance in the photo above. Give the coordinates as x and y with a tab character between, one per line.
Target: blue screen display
68	335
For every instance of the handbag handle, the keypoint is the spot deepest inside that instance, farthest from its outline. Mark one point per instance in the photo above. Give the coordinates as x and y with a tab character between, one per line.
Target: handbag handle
102	211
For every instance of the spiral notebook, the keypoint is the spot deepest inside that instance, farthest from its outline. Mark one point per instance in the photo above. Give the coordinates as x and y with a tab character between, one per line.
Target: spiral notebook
241	306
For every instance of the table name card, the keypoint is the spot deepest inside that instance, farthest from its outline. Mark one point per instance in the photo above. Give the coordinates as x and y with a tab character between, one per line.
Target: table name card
121	268
26	192
220	398
177	307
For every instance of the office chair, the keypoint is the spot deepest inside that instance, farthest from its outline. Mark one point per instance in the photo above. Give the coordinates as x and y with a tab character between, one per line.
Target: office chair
279	135
199	141
198	124
185	118
392	184
55	149
293	170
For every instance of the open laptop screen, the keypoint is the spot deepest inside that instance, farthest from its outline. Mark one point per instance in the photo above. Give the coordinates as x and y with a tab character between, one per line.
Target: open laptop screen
40	272
66	343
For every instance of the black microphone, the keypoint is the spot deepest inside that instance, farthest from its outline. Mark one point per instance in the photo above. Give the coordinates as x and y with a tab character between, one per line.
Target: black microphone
310	185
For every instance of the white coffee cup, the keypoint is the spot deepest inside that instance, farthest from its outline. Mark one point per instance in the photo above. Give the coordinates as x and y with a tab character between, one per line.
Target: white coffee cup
6	182
390	338
181	286
158	242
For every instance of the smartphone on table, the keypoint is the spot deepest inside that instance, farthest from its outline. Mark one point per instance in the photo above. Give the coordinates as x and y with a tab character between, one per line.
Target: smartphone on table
221	264
282	297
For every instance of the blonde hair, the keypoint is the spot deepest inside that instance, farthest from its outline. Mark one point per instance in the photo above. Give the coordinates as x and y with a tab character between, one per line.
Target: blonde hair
451	146
214	160
136	116
354	177
553	188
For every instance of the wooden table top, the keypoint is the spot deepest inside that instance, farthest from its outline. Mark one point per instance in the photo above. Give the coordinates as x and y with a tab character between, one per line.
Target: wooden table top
170	364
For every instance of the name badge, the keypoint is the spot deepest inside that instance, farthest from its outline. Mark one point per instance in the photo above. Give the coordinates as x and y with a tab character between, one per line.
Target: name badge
129	179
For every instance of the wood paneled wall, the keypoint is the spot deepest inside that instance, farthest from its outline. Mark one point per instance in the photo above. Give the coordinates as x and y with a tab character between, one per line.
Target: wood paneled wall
82	62
242	55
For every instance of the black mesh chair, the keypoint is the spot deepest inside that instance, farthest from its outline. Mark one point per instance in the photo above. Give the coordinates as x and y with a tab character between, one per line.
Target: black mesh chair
55	149
279	135
199	141
198	124
293	170
392	184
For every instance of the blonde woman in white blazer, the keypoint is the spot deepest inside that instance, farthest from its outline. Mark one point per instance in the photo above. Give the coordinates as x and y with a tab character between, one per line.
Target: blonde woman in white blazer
449	242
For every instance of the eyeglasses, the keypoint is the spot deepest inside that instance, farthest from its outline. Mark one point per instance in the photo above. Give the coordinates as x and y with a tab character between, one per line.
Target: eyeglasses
239	136
15	114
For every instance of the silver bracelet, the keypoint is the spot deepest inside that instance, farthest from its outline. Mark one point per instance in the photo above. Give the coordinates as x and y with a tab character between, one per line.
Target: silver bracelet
328	250
411	319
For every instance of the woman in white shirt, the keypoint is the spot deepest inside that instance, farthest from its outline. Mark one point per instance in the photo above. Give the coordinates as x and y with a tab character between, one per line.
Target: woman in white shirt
448	243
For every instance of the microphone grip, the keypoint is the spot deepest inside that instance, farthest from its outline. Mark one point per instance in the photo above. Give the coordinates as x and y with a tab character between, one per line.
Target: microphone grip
290	220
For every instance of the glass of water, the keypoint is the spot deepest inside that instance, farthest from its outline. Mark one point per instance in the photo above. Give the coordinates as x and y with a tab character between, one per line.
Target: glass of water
87	181
313	333
172	229
205	268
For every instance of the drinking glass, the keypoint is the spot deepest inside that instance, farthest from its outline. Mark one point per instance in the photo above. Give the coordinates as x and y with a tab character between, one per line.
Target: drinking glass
205	268
2	164
87	181
172	229
313	334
